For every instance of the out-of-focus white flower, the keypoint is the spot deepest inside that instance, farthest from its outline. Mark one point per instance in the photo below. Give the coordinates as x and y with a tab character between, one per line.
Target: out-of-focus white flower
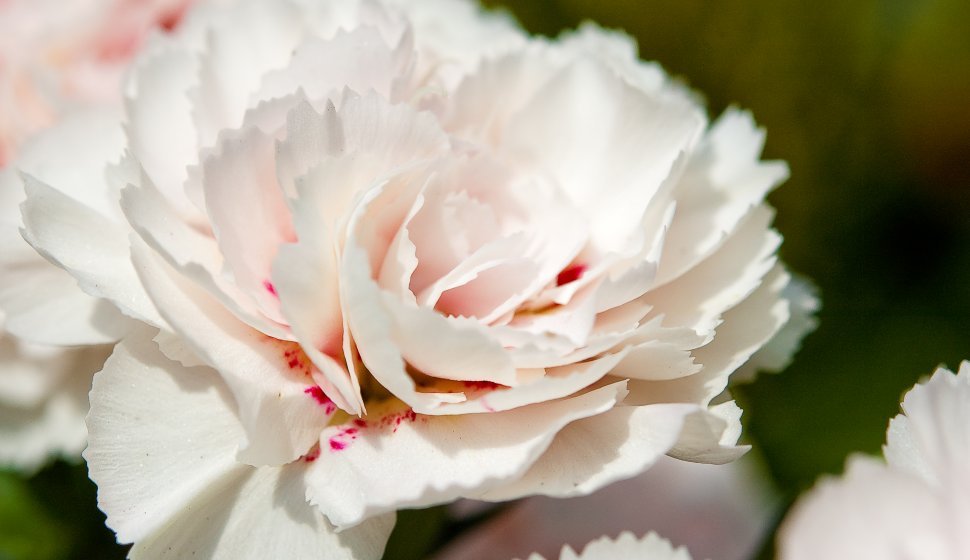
43	400
398	253
625	547
60	63
913	506
56	56
53	336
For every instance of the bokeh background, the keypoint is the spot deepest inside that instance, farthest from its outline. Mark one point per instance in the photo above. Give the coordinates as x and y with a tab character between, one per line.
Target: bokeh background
869	102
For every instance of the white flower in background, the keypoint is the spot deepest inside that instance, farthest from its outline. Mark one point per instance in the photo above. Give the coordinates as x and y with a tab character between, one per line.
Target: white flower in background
913	506
625	547
56	56
399	253
56	336
716	511
60	62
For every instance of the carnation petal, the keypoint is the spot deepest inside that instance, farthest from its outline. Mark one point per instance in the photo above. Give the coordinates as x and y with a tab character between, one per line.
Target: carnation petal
193	253
144	408
44	305
248	213
91	247
280	417
615	136
723	181
590	453
161	132
441	457
260	513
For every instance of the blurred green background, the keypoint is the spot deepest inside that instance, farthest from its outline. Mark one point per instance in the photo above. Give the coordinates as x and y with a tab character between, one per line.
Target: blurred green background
869	102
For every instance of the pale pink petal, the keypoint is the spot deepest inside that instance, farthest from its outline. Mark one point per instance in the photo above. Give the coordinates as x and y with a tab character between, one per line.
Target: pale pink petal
547	384
306	279
372	327
44	304
611	139
448	347
711	436
193	253
441	458
247	212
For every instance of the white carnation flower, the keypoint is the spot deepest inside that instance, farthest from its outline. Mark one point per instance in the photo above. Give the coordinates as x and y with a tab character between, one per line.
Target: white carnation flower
398	253
913	506
625	547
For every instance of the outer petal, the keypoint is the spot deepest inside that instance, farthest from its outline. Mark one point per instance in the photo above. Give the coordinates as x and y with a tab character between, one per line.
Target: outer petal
724	180
281	419
441	457
745	329
177	499
88	245
260	513
594	452
776	354
42	303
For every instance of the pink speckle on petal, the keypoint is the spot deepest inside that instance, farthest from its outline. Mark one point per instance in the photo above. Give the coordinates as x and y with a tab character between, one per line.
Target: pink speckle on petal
322	399
270	288
570	274
312	455
337	445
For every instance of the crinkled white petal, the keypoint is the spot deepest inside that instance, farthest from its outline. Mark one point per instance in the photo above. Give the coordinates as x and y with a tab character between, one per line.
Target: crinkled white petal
281	418
174	499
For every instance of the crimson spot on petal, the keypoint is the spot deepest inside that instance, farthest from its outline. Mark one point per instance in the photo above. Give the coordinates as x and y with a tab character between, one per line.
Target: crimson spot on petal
570	274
